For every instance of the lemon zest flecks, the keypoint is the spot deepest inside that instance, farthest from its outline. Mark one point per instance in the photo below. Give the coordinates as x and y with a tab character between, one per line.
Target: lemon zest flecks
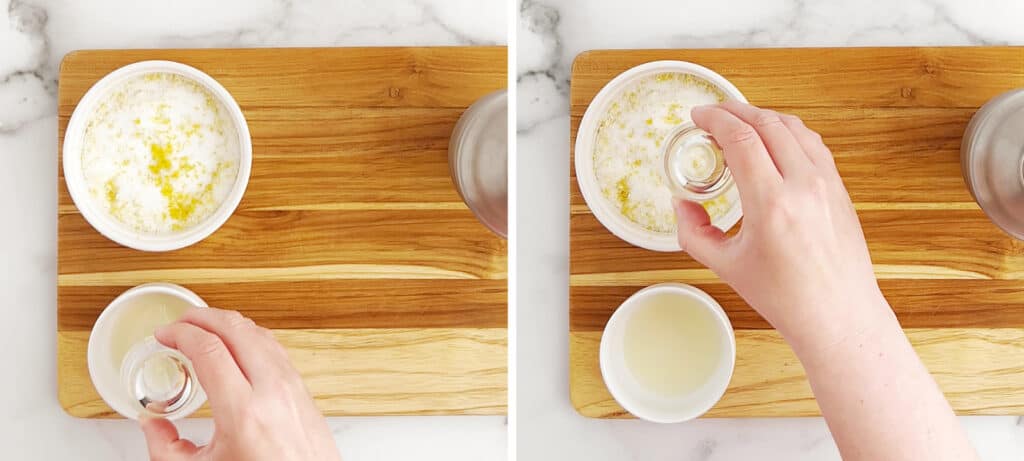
161	156
629	138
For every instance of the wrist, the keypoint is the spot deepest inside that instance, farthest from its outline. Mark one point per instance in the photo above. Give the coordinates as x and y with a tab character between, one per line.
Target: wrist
855	320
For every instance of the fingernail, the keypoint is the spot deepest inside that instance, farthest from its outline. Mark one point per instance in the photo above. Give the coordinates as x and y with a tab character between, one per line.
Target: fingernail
697	109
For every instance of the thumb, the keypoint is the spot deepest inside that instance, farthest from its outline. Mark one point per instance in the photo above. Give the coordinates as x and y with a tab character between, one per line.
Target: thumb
697	237
163	442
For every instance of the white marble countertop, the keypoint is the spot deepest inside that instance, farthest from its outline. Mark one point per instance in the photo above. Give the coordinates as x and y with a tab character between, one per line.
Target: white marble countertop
34	36
550	34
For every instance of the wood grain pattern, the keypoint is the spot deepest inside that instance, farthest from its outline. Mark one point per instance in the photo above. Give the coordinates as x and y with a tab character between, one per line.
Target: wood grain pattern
375	371
894	118
977	368
350	242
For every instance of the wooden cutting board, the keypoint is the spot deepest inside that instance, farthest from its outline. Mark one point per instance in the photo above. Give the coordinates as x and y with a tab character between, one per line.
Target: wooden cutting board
351	242
894	118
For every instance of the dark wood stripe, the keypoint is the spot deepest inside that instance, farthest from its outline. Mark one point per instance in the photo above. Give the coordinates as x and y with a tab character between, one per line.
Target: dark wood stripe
326	304
917	303
885	154
451	240
317	77
964	240
304	156
825	77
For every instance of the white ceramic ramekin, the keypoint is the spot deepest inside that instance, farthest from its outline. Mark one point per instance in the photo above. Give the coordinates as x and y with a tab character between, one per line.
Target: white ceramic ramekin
602	208
633	396
108	225
106	377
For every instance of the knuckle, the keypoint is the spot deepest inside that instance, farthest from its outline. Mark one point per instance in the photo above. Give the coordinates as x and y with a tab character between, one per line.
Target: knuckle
249	427
767	119
207	344
235	319
281	384
782	215
774	202
793	119
819	186
744	135
686	244
267	333
295	383
271	338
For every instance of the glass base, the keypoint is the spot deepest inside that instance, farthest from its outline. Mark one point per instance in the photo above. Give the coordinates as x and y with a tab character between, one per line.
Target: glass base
160	380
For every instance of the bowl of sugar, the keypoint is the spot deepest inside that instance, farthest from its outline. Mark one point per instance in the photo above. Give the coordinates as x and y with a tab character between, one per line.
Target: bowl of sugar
622	144
157	155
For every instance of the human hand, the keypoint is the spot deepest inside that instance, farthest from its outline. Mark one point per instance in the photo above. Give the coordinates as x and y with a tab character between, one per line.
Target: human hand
261	408
800	258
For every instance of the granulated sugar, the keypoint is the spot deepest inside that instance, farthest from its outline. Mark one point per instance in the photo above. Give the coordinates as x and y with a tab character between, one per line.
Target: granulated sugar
627	155
160	153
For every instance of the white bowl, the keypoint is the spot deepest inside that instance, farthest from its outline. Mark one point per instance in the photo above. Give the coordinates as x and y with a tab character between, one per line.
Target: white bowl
108	225
606	213
642	402
106	377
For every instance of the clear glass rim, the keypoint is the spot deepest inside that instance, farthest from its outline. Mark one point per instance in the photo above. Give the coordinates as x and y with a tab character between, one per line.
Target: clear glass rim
687	189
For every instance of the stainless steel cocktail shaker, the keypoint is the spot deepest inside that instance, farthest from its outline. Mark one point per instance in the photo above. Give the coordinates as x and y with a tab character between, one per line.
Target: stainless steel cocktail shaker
992	160
478	159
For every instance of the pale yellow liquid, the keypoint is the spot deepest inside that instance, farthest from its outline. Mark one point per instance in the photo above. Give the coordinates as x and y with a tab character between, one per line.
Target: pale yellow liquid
673	344
140	319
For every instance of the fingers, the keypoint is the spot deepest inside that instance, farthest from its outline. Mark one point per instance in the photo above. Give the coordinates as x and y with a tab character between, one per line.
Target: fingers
697	236
217	370
810	142
258	355
163	442
745	154
783	147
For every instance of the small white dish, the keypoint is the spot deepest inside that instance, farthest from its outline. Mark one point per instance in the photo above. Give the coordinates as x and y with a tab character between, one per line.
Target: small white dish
641	401
106	375
603	209
109	226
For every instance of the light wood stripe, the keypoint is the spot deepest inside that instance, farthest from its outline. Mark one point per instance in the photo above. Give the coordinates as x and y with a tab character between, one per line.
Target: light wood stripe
882	272
979	370
915	206
642	278
355	371
266	274
354	206
864	206
922	272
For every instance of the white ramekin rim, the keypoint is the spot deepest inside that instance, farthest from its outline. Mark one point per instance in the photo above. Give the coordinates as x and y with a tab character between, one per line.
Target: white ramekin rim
108	386
613	376
609	217
107	225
